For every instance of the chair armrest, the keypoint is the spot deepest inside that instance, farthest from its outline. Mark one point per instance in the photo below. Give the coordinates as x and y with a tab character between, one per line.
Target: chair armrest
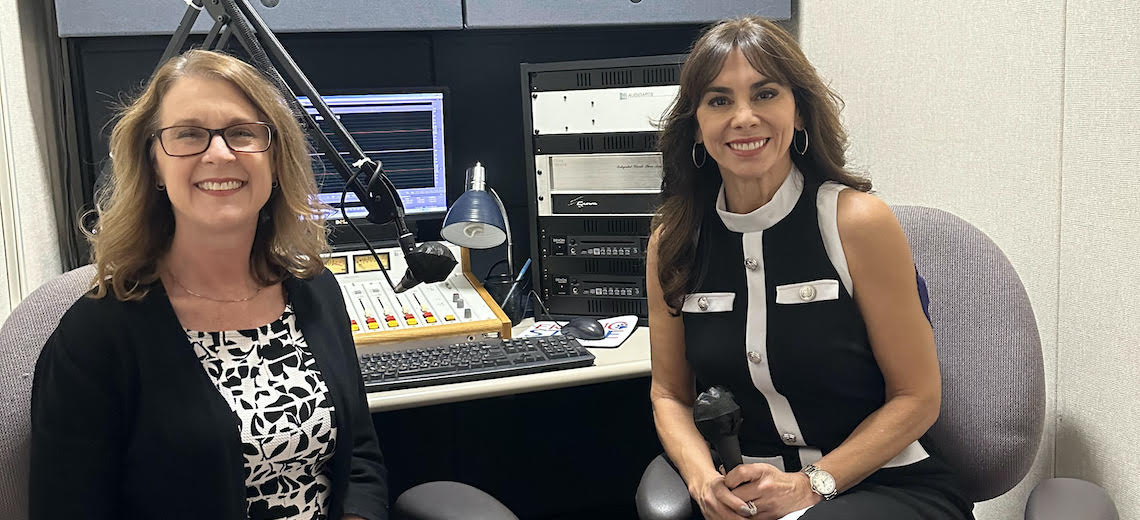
446	500
1066	498
662	493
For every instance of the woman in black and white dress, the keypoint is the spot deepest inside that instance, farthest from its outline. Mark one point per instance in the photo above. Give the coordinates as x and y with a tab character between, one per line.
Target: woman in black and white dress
210	372
773	273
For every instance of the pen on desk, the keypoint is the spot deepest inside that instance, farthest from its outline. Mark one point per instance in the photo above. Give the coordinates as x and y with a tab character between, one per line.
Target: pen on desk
511	291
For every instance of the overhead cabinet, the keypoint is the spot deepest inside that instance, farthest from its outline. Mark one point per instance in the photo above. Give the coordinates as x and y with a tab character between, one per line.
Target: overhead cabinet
563	13
139	17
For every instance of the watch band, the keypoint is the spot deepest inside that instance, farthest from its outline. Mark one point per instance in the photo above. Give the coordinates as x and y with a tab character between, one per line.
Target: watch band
811	469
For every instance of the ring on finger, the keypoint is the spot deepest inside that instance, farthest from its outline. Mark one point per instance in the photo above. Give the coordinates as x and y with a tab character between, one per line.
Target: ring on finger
748	509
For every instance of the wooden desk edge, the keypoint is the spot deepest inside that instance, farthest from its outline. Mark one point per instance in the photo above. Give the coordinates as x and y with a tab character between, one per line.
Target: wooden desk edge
504	321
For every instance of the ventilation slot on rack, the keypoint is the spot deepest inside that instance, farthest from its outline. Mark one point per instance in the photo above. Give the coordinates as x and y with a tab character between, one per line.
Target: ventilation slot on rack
627	226
617	307
617	77
586	143
617	142
613	266
584	79
660	76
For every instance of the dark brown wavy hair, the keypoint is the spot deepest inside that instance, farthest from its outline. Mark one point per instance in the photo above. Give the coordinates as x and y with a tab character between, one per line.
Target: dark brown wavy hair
688	192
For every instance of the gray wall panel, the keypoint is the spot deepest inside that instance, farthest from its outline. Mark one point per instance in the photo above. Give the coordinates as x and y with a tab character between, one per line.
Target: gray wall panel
136	17
548	13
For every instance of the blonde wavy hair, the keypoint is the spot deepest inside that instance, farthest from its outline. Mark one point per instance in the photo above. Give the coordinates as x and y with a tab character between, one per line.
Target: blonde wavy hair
136	222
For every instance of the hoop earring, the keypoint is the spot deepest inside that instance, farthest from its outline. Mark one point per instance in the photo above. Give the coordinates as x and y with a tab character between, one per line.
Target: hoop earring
159	186
796	145
704	156
274	185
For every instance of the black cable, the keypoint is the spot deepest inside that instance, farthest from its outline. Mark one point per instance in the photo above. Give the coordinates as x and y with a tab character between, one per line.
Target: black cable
492	268
542	306
344	213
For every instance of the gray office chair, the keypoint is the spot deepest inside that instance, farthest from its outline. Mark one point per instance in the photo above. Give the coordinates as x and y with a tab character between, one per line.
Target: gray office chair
21	338
993	388
446	500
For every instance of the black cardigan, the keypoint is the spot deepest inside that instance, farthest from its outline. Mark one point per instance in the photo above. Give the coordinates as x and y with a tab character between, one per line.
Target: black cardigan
127	424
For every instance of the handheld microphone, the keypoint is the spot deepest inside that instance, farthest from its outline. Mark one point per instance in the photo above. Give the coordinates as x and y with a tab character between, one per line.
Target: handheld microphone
718	418
270	3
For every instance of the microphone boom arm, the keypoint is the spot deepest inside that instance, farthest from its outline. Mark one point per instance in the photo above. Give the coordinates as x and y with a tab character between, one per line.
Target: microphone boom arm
239	19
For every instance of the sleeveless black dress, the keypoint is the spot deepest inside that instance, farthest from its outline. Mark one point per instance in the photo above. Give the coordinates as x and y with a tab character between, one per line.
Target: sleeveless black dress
773	320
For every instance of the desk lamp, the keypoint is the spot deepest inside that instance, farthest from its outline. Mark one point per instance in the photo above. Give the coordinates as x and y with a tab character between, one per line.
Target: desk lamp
478	219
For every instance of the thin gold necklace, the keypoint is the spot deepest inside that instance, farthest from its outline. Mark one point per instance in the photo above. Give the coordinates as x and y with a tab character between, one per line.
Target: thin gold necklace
216	300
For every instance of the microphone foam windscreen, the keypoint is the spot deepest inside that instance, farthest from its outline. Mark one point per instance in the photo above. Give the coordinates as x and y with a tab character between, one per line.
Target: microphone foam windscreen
431	262
716	413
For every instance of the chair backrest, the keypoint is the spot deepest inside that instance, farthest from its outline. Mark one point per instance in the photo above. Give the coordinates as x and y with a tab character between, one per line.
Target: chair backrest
21	339
989	350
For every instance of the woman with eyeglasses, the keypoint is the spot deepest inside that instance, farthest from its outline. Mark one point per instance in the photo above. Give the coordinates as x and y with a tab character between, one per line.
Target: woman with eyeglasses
210	372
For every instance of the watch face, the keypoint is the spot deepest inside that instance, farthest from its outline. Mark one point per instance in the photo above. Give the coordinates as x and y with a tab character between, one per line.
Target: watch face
822	482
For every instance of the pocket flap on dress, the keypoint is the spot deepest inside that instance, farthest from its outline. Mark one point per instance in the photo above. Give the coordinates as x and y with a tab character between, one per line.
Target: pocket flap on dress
807	292
708	302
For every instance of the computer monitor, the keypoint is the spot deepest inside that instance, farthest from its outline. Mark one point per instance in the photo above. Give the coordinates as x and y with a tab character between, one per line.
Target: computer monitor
402	130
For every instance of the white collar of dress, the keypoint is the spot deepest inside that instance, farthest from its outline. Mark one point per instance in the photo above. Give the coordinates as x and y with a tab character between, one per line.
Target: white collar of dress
767	215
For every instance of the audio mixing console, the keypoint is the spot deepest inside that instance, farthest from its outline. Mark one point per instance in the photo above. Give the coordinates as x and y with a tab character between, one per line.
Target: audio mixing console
455	310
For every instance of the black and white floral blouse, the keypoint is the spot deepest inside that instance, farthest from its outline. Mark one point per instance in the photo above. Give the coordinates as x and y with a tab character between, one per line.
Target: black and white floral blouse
272	383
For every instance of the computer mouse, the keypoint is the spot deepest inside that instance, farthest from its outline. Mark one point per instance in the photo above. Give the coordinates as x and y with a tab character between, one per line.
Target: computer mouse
584	328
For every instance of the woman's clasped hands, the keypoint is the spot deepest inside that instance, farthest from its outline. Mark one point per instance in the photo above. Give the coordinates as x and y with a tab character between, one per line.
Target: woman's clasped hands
755	491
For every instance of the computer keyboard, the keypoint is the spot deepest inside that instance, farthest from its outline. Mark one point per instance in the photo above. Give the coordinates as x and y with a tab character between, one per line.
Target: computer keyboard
484	359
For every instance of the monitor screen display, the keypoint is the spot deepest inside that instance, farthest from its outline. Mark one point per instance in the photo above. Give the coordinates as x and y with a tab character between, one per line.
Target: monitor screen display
404	132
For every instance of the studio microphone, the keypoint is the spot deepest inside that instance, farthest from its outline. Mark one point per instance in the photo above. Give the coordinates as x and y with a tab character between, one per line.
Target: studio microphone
718	418
428	262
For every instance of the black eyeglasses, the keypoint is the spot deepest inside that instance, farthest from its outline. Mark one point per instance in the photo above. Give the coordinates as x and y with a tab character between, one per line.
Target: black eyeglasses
184	141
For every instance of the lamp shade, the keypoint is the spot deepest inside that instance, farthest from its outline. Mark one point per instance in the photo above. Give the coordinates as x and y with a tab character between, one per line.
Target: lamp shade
474	221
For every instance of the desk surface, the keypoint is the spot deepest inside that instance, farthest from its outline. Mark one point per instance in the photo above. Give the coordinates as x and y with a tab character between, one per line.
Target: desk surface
629	360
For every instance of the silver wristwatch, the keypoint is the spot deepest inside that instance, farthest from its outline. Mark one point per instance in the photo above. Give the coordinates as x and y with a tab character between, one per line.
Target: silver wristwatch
822	483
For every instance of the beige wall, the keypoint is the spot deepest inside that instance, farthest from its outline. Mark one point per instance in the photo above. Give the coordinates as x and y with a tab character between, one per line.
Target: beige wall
1022	118
1098	362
